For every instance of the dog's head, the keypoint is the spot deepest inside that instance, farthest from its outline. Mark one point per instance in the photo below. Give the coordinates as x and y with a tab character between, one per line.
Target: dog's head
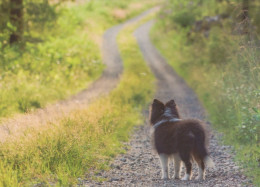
158	108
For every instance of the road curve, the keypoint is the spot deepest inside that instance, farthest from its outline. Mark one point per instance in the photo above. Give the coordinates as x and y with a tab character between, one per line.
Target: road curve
13	127
140	165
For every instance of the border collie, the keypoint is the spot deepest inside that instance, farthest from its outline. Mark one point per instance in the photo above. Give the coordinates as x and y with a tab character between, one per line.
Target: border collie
179	139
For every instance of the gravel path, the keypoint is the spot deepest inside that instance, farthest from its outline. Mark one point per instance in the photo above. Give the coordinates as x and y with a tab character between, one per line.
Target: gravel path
140	165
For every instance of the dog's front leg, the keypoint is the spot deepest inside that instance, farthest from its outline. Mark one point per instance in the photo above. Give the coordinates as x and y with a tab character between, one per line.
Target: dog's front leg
164	163
177	165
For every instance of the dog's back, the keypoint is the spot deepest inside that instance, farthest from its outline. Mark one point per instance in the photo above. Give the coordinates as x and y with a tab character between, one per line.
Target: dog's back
174	137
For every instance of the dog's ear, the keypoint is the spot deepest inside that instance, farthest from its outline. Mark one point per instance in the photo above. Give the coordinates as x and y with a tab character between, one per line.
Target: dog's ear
171	103
156	110
156	101
157	104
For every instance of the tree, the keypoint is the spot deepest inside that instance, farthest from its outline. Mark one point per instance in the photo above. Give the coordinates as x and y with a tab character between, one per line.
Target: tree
16	18
245	16
245	9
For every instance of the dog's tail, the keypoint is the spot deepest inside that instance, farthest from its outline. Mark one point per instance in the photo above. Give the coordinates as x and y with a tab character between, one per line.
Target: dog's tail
202	152
209	162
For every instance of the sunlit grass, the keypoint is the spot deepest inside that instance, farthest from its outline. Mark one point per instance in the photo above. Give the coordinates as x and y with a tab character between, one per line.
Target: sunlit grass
63	60
86	140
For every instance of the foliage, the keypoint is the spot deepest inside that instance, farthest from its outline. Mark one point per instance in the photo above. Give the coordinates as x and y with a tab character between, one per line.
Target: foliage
184	18
5	25
60	65
61	54
218	47
223	68
186	15
83	142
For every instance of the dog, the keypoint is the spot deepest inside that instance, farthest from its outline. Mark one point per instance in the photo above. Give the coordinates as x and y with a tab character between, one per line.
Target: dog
179	139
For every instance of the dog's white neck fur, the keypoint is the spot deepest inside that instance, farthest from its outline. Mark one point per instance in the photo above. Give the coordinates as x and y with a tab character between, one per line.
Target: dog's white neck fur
165	120
167	113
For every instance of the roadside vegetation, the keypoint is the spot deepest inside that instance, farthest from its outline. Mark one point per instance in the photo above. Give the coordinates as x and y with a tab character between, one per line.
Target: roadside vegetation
58	51
84	142
214	46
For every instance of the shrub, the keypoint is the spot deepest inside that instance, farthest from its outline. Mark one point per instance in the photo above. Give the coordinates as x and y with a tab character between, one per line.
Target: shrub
219	46
184	18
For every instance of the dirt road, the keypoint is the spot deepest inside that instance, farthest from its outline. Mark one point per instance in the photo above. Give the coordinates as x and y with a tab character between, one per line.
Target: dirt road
140	165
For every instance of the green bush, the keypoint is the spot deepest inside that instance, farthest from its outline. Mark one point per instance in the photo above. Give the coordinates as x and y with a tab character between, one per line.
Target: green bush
184	18
219	47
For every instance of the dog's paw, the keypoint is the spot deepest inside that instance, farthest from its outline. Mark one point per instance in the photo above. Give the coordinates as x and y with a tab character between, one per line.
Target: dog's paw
165	178
200	178
176	177
186	177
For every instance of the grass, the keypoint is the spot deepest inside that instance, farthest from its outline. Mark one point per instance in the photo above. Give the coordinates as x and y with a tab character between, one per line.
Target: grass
60	59
85	141
223	69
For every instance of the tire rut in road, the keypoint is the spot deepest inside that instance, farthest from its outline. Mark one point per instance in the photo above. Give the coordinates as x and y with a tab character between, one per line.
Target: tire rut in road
140	165
170	85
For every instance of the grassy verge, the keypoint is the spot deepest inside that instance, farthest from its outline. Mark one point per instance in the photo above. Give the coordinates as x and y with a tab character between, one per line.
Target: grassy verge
223	69
61	59
86	140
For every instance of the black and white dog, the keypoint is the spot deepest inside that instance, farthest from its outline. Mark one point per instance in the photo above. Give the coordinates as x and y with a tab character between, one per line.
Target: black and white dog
182	140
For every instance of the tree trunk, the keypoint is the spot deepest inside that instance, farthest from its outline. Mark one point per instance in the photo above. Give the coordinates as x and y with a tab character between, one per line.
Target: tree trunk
245	9
245	16
16	18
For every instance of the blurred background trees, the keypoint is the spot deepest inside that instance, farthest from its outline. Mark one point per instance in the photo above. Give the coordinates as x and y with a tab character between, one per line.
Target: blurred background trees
19	17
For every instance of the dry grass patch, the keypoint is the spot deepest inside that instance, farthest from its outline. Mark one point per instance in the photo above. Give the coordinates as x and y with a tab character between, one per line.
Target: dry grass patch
119	14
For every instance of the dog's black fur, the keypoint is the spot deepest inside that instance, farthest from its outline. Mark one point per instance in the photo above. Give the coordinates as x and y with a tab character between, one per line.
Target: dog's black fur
185	137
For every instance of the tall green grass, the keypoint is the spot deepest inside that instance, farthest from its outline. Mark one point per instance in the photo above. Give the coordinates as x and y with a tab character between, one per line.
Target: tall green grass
62	58
223	69
86	140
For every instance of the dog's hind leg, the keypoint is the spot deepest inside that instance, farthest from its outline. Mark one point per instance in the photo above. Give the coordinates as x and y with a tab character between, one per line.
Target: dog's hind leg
201	171
200	154
185	157
164	162
177	165
201	167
